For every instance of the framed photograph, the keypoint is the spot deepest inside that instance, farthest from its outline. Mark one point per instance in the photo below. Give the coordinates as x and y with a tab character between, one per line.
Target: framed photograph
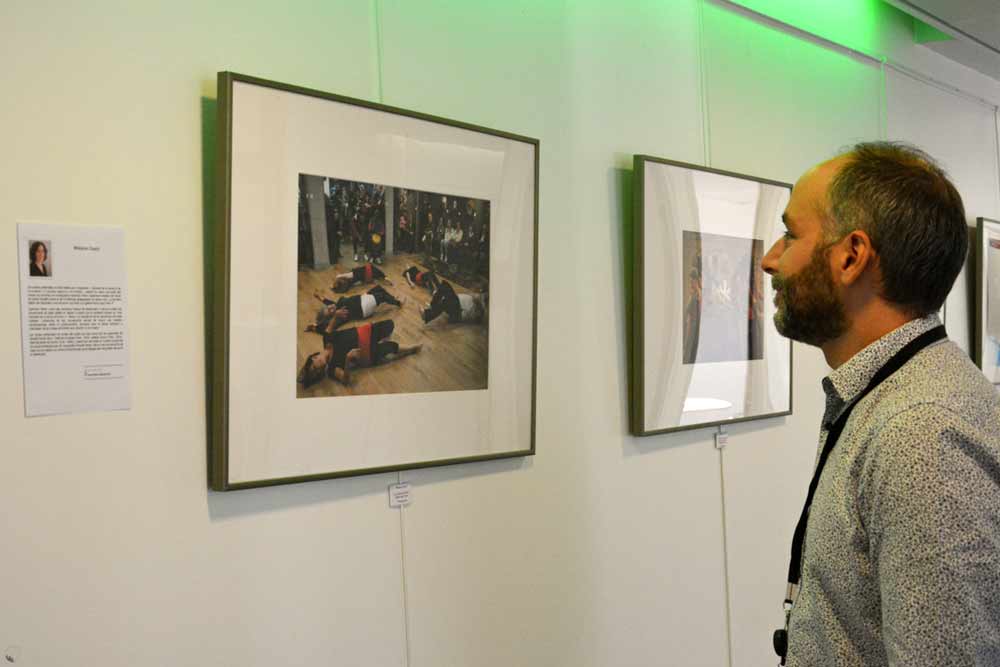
988	298
374	288
705	350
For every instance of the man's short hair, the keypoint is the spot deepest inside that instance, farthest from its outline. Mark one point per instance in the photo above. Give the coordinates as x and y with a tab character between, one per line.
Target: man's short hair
914	216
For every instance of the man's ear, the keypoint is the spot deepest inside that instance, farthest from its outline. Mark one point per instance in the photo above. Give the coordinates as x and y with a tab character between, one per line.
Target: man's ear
852	257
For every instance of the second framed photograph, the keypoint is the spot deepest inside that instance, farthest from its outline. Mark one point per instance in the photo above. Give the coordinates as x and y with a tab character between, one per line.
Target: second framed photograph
988	299
705	349
375	288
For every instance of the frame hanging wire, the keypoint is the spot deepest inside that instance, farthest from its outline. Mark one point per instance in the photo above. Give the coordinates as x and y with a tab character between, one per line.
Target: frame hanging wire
721	437
402	572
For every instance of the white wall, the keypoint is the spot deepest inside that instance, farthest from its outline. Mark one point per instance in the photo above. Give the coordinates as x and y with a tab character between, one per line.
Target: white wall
601	550
960	132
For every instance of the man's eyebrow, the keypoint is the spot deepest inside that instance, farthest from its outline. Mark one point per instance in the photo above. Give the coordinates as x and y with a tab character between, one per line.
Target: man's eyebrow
786	219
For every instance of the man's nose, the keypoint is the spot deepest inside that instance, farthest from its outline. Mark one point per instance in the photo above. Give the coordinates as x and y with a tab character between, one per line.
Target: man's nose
770	262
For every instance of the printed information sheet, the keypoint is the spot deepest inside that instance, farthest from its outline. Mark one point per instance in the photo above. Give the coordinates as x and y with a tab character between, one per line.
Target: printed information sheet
74	330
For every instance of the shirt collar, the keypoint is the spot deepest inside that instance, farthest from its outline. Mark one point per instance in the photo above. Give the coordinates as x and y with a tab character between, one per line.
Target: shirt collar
844	384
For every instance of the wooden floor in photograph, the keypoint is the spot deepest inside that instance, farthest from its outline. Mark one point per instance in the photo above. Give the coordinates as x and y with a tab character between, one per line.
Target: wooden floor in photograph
453	357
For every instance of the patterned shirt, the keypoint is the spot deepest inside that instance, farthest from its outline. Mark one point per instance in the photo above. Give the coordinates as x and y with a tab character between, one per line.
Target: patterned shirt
901	564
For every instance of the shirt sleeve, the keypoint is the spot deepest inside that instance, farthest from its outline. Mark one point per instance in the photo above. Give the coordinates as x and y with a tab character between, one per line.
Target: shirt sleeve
930	502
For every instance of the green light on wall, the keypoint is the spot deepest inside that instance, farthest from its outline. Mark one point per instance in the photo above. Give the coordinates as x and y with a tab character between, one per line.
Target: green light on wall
855	24
923	33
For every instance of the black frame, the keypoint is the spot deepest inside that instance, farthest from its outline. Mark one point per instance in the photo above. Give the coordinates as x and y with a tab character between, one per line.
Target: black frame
637	412
218	467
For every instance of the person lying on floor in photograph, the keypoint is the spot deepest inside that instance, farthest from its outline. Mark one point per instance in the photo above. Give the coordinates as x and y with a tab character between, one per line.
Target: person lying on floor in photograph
417	278
348	308
357	347
360	275
468	308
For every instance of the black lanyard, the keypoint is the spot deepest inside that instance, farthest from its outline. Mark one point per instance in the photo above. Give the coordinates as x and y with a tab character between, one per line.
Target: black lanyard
893	365
833	435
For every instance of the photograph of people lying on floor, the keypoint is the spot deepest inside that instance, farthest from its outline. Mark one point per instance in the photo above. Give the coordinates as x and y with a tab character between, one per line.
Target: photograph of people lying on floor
438	243
347	308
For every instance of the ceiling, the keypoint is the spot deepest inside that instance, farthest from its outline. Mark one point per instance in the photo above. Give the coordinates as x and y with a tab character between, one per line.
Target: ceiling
974	26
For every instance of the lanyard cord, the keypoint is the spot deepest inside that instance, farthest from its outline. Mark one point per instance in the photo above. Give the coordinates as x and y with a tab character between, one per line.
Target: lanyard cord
894	364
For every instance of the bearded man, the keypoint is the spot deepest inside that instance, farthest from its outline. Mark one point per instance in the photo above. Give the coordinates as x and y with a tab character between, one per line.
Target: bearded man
896	558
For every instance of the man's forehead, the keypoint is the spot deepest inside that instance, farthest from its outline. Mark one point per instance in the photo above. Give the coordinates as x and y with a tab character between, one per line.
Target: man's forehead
818	177
809	195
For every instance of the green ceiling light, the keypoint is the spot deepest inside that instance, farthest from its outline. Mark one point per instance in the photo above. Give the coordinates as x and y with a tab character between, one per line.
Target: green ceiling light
855	24
924	33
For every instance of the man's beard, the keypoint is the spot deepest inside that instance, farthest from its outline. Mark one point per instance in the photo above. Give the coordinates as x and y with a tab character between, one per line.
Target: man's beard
809	310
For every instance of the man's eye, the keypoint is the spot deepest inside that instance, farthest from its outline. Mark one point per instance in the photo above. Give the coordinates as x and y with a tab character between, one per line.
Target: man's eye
788	236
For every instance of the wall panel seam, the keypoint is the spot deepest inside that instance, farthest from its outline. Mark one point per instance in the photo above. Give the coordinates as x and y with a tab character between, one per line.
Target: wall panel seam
706	130
377	21
883	103
380	92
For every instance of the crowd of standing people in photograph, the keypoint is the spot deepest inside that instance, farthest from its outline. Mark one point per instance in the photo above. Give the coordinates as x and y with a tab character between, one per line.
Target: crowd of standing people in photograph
355	214
452	233
358	210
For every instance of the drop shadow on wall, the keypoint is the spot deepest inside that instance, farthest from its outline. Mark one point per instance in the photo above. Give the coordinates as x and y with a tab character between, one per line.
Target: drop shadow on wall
621	199
209	114
250	502
450	473
702	436
971	288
